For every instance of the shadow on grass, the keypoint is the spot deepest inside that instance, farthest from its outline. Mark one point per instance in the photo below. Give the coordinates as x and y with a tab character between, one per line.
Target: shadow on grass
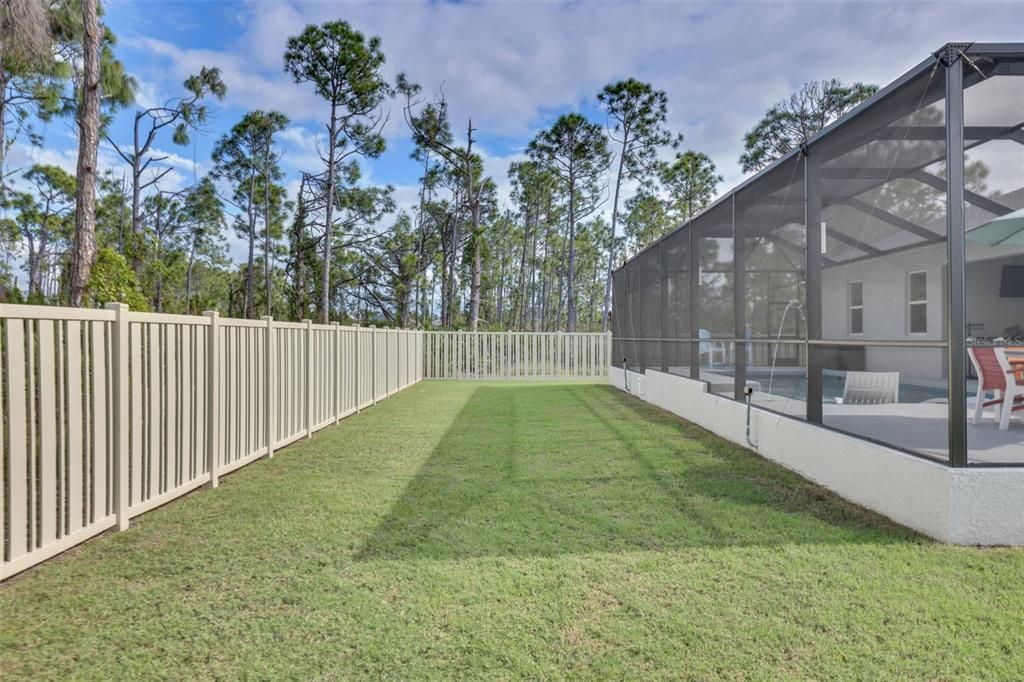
543	470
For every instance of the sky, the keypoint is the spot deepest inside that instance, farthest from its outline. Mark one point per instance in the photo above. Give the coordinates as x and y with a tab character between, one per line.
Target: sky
514	67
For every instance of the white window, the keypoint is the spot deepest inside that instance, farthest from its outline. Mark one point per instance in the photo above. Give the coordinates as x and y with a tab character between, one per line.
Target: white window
856	307
917	302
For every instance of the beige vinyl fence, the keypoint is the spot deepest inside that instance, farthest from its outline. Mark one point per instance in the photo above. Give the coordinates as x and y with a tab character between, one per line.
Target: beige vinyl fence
516	355
110	413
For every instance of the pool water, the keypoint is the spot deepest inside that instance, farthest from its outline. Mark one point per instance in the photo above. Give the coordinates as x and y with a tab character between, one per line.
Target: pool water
795	387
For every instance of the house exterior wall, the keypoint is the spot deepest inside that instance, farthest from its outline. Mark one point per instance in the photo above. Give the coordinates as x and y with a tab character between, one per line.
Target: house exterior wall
885	296
885	308
886	303
987	312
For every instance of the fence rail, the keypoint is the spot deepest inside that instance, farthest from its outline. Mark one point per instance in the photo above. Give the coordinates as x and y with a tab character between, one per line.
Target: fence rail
516	355
110	413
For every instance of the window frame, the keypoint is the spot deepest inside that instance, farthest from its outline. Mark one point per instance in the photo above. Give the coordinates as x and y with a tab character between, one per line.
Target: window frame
912	302
850	307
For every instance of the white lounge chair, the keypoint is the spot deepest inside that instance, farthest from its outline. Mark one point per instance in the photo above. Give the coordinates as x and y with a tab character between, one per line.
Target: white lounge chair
716	351
871	388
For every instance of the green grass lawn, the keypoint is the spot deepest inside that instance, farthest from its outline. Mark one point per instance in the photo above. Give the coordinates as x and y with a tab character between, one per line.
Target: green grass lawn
531	530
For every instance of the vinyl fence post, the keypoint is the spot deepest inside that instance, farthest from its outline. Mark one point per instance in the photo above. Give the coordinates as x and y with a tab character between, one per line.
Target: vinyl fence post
373	364
309	378
606	361
387	361
355	364
212	394
271	389
120	415
336	364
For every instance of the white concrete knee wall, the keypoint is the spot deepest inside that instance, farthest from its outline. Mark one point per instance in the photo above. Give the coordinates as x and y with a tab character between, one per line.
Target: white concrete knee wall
961	506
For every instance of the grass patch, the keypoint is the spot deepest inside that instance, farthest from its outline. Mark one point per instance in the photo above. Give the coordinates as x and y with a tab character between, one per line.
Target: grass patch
529	530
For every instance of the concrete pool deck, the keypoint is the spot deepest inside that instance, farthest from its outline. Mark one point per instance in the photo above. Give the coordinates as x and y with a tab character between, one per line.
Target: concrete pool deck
921	427
917	426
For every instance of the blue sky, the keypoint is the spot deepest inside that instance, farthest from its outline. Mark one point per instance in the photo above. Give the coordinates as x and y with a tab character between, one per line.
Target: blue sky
515	66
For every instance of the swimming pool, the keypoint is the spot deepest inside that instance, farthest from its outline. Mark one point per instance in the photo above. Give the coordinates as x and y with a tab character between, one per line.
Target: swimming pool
788	384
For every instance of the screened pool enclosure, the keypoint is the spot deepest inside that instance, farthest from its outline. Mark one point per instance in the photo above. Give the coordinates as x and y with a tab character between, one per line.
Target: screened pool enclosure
871	281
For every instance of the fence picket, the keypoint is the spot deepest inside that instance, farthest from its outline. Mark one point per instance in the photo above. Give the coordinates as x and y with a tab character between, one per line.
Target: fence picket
18	452
213	400
47	438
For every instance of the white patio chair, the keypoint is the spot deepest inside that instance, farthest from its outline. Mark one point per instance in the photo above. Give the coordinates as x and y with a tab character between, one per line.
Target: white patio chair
871	388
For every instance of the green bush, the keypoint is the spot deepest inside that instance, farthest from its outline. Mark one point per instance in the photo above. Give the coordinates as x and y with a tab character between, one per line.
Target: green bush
113	280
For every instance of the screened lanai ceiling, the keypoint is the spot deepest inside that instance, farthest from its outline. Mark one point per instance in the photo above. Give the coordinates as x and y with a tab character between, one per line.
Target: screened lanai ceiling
883	178
881	170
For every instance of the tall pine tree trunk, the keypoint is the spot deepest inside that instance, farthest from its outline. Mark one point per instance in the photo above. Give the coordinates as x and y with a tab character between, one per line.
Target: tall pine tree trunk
500	298
325	276
445	275
561	282
188	278
34	258
611	246
520	311
453	257
299	247
545	282
83	252
158	301
3	117
474	214
266	225
533	282
421	246
250	272
474	284
135	257
570	285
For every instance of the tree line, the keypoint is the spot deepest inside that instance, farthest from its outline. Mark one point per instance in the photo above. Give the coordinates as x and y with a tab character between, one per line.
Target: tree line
338	248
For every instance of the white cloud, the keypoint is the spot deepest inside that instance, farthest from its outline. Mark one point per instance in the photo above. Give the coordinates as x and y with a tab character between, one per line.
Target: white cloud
301	148
186	171
496	167
23	156
510	65
147	95
247	87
